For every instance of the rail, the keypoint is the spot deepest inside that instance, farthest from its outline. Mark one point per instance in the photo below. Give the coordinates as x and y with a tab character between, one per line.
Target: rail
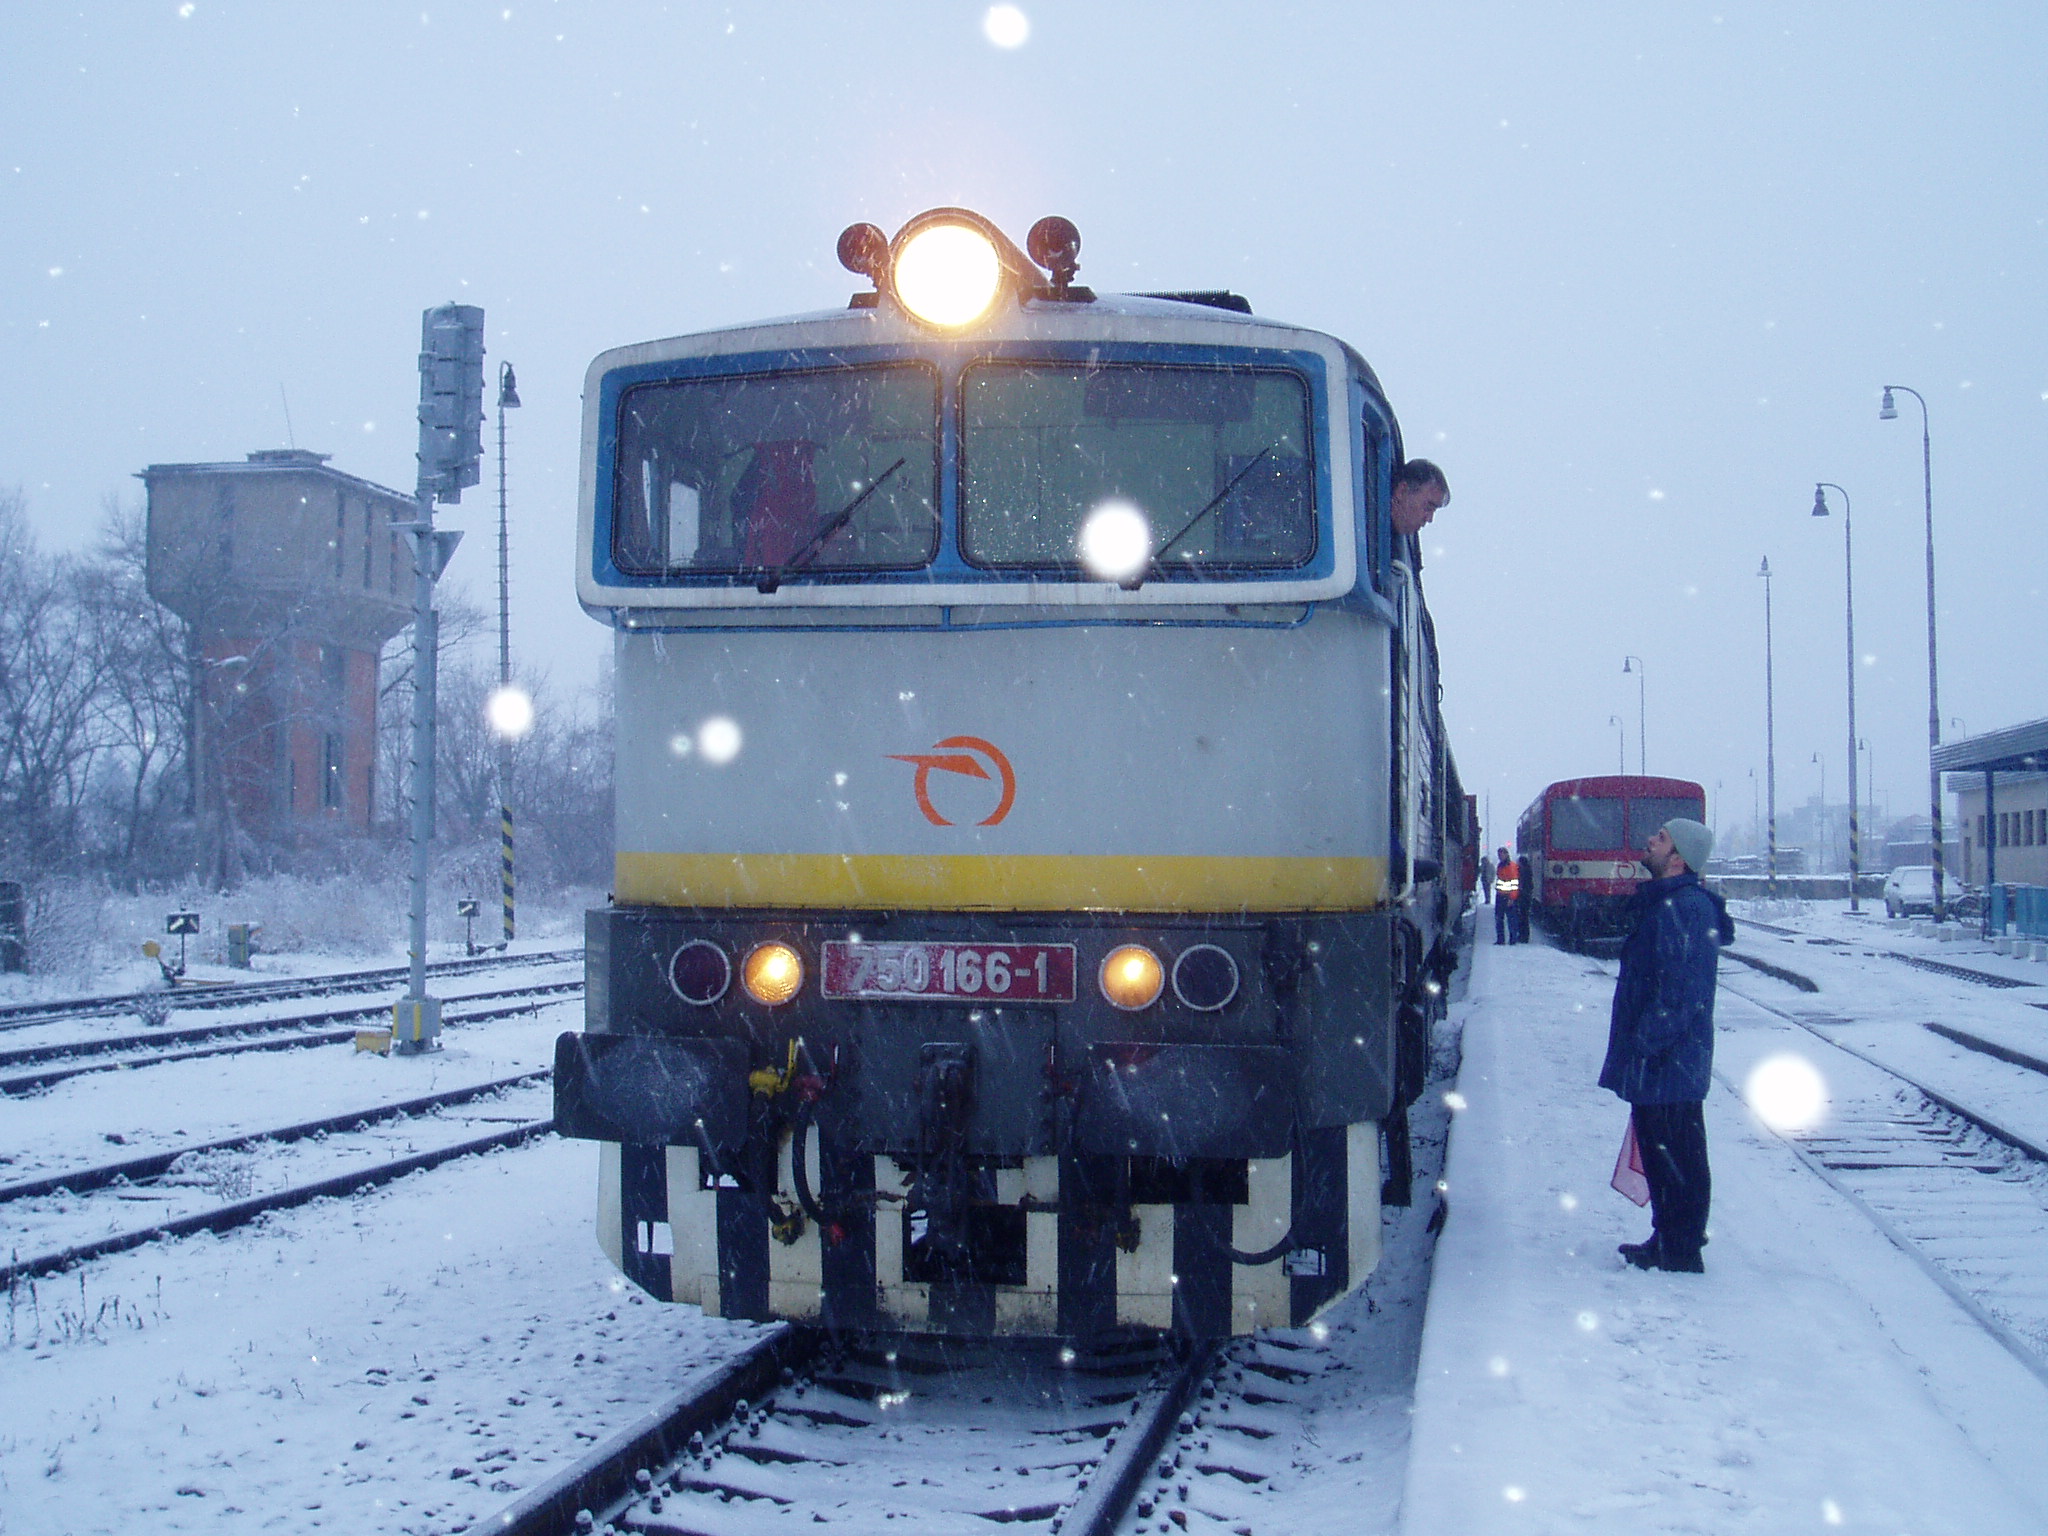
234	994
136	1170
734	1416
284	1034
224	1218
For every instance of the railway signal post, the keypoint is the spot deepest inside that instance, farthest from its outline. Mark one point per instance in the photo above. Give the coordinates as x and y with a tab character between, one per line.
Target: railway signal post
450	454
182	925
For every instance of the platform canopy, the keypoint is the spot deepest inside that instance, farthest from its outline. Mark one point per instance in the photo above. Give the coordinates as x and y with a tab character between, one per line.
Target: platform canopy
2016	749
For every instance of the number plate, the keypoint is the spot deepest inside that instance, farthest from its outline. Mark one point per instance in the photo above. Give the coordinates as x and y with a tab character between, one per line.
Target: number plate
1018	973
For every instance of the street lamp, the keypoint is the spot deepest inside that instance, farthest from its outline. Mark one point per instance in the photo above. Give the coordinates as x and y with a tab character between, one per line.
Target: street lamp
1887	411
508	400
1620	746
1770	740
1641	673
1820	509
1822	826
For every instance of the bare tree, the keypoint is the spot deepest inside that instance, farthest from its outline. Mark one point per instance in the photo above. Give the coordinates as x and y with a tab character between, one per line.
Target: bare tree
460	622
107	701
48	684
144	704
560	771
564	773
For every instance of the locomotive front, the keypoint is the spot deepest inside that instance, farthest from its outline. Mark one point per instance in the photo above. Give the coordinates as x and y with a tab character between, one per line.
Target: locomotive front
1004	937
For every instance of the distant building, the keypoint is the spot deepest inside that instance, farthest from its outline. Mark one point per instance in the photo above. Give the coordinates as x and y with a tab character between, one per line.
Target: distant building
1907	842
291	578
2002	800
2019	822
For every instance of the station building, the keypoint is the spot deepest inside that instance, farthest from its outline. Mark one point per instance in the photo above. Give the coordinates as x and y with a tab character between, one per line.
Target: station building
2000	781
291	577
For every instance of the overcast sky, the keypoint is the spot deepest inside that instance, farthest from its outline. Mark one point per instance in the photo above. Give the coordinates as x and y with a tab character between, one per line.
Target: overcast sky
1633	274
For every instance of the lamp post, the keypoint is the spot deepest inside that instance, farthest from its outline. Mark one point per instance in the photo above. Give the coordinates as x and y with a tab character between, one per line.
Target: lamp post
1770	742
1756	810
1820	509
1823	825
1641	673
508	400
1887	411
1620	746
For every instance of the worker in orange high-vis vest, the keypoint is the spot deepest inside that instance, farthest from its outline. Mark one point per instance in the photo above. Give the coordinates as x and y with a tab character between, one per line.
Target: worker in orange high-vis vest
1507	891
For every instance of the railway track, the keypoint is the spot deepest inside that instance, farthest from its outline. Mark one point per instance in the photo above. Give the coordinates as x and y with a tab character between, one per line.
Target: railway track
237	994
1960	972
945	1436
227	1215
1918	962
290	1032
1963	1197
150	1165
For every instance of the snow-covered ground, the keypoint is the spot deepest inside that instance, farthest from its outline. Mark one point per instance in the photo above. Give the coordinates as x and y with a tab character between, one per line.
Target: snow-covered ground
403	1360
410	1358
1813	1378
87	939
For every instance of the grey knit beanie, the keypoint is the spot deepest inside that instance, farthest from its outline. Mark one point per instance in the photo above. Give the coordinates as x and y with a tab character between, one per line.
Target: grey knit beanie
1695	843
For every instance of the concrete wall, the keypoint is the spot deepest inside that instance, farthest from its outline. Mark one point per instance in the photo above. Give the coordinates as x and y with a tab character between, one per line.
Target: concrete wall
1804	887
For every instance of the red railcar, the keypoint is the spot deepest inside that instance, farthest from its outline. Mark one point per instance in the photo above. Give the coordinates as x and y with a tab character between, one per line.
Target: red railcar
1580	844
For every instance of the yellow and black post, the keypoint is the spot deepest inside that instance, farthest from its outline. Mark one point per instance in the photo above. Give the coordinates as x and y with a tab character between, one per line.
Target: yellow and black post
506	885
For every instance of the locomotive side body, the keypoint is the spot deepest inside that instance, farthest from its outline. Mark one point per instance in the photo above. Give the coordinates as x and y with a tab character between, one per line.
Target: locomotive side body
1580	844
996	948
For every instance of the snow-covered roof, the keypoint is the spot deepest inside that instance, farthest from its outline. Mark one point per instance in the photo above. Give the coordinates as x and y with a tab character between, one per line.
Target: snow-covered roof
2016	749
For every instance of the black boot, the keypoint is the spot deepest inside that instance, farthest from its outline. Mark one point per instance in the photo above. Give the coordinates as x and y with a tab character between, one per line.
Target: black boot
1646	1255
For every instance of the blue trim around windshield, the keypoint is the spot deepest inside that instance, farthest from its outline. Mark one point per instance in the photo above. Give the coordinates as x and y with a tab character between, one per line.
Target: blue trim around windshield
948	568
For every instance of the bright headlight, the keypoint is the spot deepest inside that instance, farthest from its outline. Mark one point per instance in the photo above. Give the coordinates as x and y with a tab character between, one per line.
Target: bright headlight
948	275
1131	977
772	974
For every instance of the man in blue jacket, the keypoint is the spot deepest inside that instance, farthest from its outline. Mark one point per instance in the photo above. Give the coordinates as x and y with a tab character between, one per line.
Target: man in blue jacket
1660	1039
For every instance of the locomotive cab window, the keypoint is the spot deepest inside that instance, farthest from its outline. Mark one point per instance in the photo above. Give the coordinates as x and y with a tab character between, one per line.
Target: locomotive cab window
829	471
1214	461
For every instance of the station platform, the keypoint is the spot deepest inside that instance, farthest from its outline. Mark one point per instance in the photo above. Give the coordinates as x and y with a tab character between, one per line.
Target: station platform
1813	1379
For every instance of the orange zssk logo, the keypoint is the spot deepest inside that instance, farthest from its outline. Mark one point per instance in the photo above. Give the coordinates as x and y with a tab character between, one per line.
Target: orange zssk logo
965	758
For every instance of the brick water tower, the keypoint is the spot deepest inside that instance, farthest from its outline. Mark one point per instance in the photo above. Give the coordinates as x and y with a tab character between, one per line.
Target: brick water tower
291	578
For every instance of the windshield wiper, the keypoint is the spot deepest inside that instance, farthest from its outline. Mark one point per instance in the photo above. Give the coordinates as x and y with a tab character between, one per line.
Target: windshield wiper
831	525
1188	527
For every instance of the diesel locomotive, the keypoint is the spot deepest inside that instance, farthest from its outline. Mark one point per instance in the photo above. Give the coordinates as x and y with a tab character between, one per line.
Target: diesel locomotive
1037	847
